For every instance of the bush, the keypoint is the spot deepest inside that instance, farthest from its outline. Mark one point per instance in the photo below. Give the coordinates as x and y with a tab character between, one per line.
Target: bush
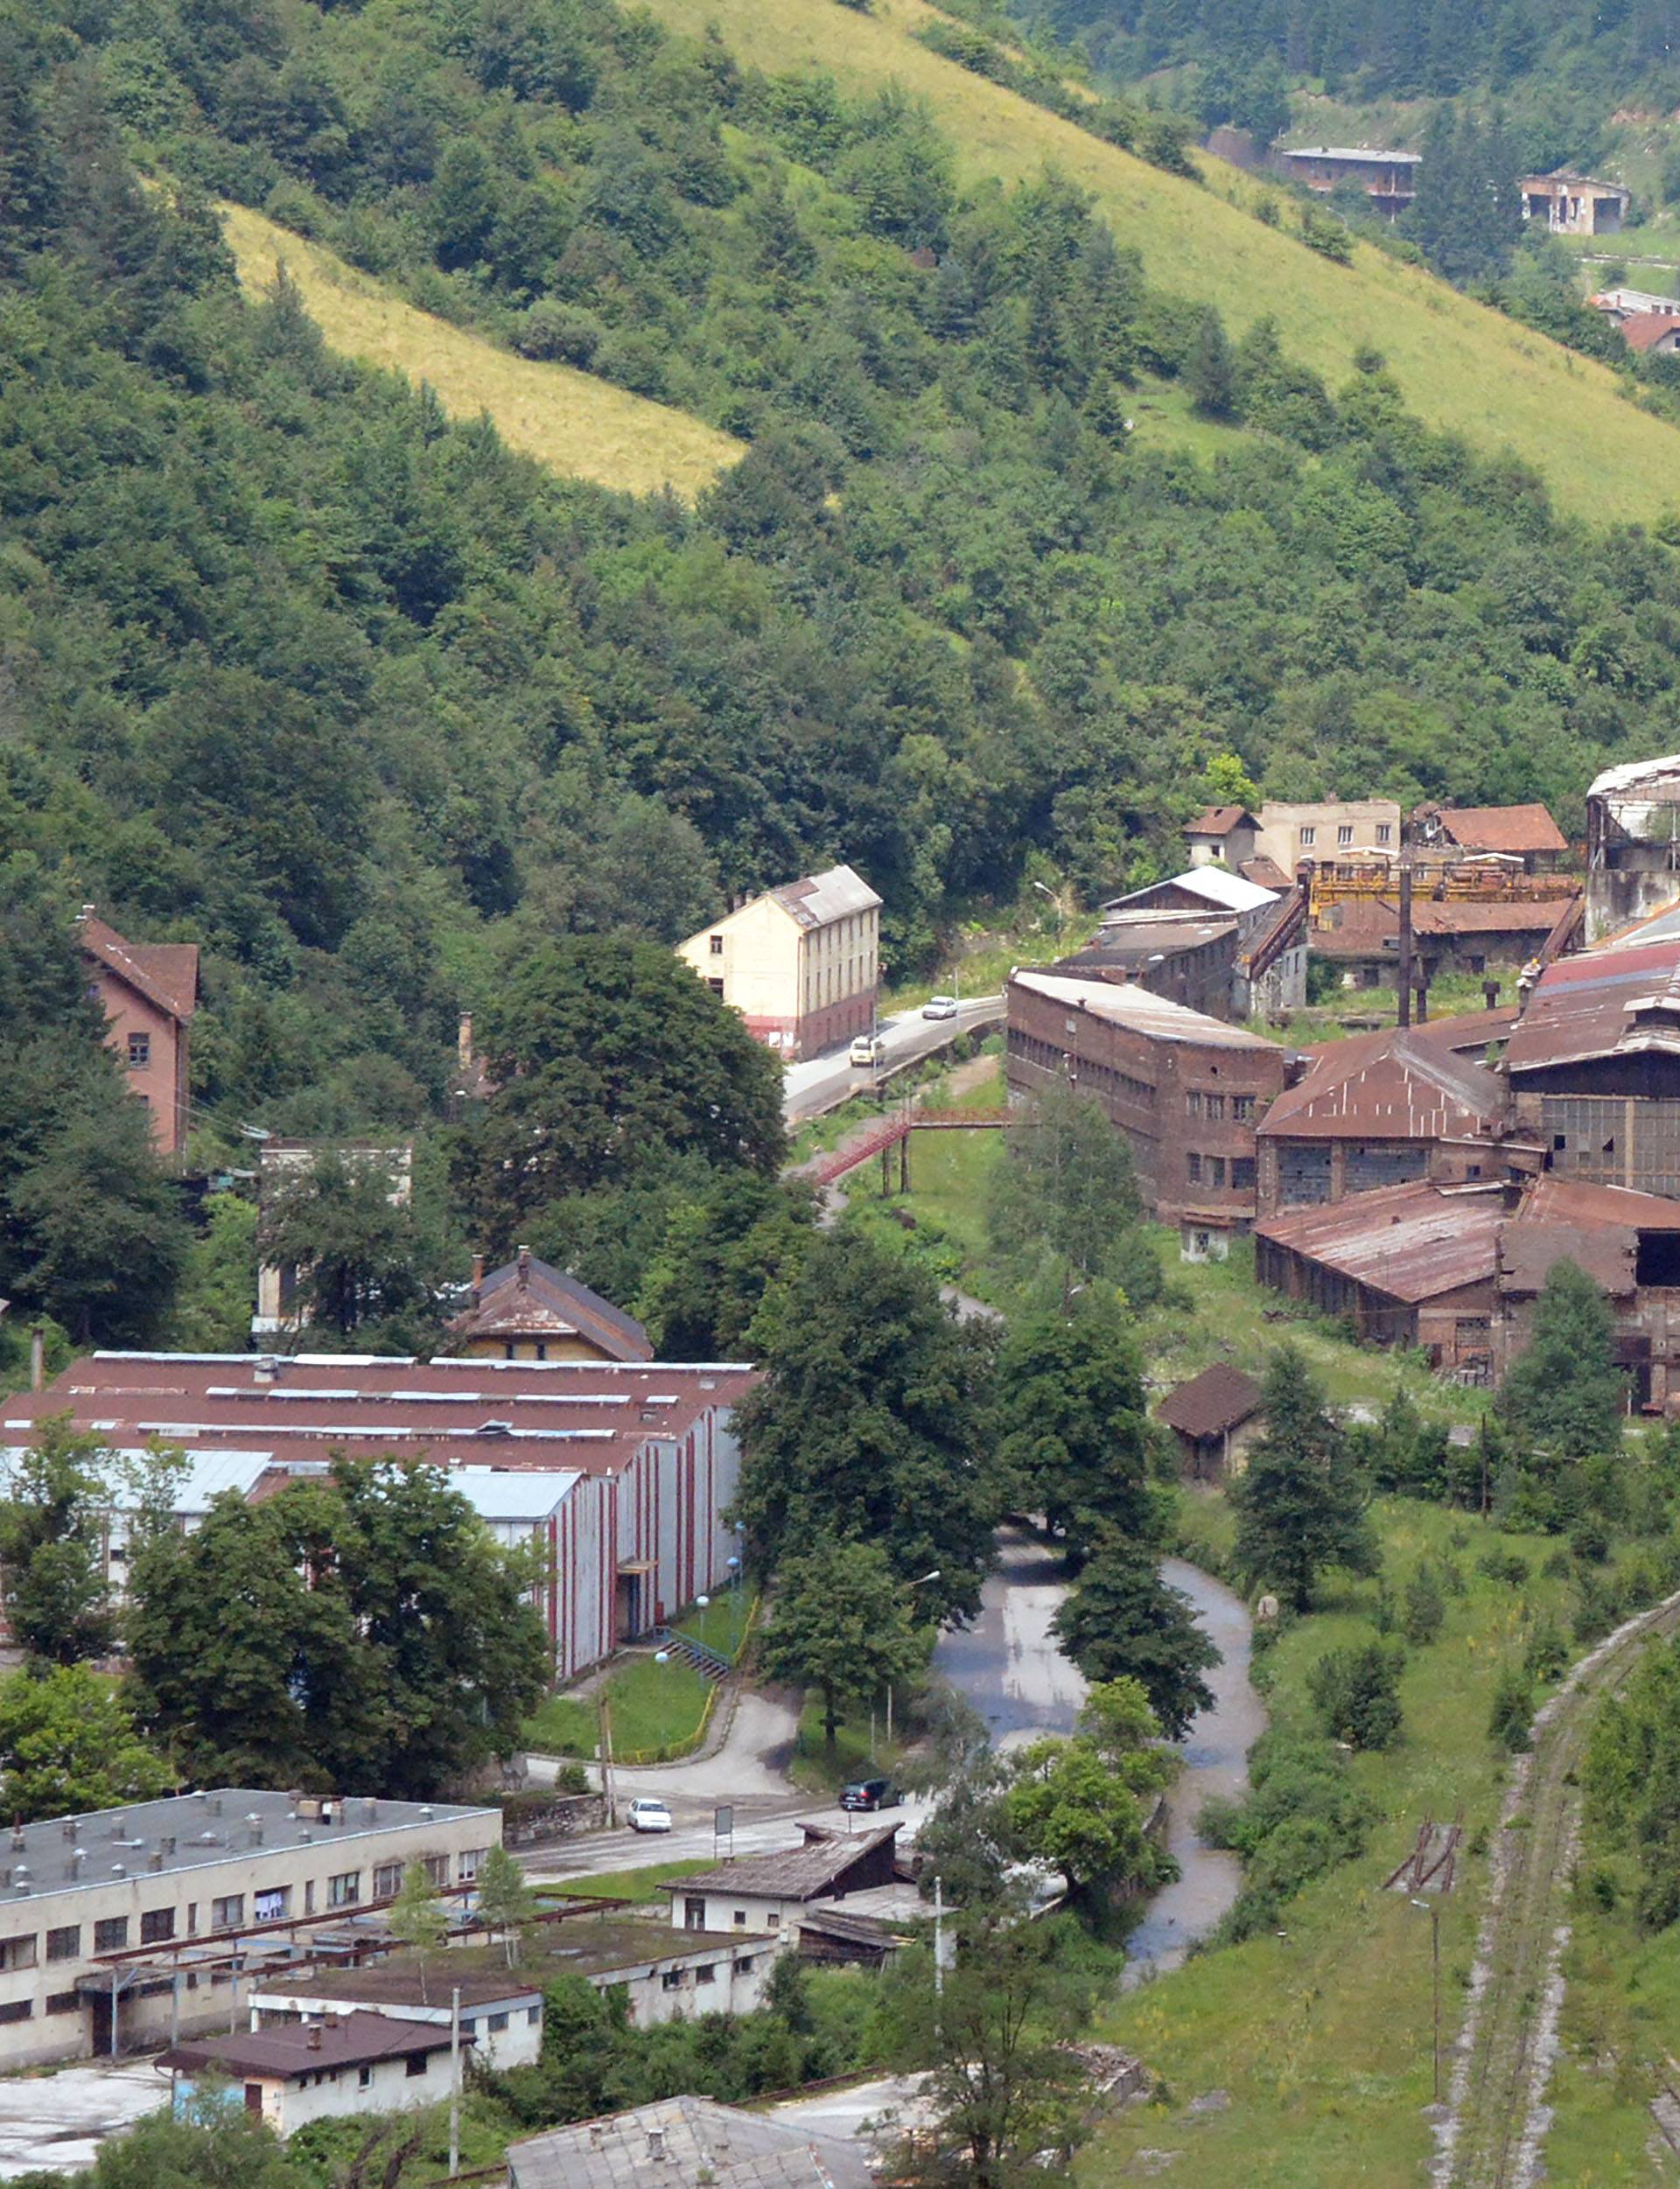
551	330
1357	1692
1503	1565
1547	1654
1509	1721
1300	1817
1426	1611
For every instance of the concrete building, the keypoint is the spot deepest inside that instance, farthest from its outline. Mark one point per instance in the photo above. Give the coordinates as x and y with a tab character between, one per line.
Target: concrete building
287	2077
1215	1416
1389	180
1387	1109
769	1893
1188	1091
621	1473
125	1924
1189	961
282	1163
501	2008
1633	844
1575	205
1211	939
1326	829
529	1311
688	2144
1221	835
149	992
802	964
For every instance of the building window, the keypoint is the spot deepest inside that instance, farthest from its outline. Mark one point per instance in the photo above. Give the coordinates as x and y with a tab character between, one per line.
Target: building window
534	2016
694	1912
62	2003
498	2022
772	1921
228	1914
706	1973
1216	1171
1384	832
471	1862
717	987
388	1878
741	1919
16	2010
66	1944
112	1935
343	1889
716	945
418	2062
1192	1168
157	1923
1193	1104
1345	834
19	1952
744	1966
1242	1174
139	1052
1217	1107
271	1904
364	2076
671	1981
1309	837
437	1868
1242	1107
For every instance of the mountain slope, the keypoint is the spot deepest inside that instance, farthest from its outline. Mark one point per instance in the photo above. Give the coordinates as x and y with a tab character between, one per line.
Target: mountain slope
1464	367
578	424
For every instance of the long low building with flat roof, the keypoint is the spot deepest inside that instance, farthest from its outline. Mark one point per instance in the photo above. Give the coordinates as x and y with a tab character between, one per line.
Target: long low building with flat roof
1186	1089
621	1471
121	1927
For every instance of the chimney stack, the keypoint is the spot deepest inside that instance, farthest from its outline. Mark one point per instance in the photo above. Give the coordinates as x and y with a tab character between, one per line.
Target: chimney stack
524	1269
38	1356
463	1042
657	2143
477	1279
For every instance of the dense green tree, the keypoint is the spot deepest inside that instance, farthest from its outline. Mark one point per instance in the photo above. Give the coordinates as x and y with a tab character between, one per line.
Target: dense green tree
217	1295
1357	1693
604	1052
1076	1805
1565	1394
352	1235
68	1744
842	1623
720	1252
1300	1503
869	1423
1124	1621
1071	1421
54	1522
967	1842
1065	1199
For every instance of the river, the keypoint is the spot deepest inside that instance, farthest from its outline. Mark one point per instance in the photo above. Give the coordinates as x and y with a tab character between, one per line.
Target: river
1008	1666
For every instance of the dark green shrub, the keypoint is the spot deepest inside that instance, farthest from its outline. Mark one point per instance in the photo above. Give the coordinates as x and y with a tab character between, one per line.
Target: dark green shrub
1357	1692
1509	1720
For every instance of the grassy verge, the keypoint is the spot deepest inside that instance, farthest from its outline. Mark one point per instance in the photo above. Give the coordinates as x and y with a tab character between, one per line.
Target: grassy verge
724	1625
816	1768
569	420
1464	367
632	1884
654	1707
1320	2037
980	958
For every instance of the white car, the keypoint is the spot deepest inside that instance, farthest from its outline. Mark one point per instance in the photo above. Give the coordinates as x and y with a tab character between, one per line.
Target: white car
940	1007
867	1052
649	1817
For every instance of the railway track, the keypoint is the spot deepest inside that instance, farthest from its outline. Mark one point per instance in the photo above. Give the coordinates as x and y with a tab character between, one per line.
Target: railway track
1495	2121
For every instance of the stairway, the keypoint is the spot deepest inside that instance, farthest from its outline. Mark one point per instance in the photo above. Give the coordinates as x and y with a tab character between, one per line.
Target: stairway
700	1654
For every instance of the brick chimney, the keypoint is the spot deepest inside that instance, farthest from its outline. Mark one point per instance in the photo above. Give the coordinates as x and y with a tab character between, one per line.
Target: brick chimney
36	1356
524	1277
477	1279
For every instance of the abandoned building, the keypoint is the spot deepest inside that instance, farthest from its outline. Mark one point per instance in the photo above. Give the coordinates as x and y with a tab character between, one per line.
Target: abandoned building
1633	844
529	1311
1524	833
1387	1109
1186	1090
1389	180
802	963
1214	1417
1575	205
1361	935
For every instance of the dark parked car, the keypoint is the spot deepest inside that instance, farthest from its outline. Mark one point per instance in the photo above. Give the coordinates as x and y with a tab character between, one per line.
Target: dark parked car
869	1794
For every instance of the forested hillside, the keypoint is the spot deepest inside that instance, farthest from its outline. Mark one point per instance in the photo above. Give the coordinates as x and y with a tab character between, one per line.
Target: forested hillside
296	667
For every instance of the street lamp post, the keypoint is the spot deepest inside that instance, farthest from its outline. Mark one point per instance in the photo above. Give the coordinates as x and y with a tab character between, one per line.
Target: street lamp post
1044	890
735	1576
920	1583
1434	1915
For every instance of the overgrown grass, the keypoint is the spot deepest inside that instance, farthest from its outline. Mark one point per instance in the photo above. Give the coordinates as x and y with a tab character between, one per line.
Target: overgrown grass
572	421
1320	2037
723	1625
653	1706
633	1884
819	1769
1464	367
1622	2014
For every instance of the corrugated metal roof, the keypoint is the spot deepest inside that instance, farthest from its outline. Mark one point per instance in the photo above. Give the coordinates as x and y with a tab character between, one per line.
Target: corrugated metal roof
1624	999
1552	1198
1411	1242
1127	1006
1502	828
795	1873
1529	1252
834	894
1652	778
1392	1085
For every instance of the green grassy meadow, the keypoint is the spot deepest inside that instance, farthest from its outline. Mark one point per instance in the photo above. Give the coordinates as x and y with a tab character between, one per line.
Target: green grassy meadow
653	1706
574	423
1464	367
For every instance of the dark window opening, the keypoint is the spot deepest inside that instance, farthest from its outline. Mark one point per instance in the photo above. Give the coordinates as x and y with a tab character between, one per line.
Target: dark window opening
1658	1260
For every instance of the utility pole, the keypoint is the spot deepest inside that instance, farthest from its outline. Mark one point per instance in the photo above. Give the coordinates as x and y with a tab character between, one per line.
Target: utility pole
454	2081
939	1938
606	1744
1406	920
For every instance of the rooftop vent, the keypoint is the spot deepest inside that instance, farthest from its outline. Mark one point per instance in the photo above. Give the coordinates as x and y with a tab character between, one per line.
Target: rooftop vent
656	2143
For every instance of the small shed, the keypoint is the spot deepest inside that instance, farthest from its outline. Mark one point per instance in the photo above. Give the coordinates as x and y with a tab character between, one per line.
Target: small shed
1215	1416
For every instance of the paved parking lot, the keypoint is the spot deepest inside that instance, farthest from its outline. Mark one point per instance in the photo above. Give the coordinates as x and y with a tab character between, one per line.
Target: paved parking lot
58	2121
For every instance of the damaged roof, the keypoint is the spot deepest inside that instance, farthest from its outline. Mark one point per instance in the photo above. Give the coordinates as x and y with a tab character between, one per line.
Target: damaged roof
1412	1242
1625	999
796	1873
1515	829
1394	1085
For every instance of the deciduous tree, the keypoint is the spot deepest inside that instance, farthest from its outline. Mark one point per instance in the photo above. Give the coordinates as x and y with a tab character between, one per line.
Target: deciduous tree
68	1744
841	1624
1123	1621
52	1532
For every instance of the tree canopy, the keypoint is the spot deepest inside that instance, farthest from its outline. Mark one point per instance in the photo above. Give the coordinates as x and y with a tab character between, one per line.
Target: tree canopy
1300	1501
843	1624
1565	1392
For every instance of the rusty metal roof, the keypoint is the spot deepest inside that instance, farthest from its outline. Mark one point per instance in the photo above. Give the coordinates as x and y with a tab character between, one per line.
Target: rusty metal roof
1411	1242
1563	1201
795	1873
1502	828
1624	999
1370	927
1390	1086
1528	1253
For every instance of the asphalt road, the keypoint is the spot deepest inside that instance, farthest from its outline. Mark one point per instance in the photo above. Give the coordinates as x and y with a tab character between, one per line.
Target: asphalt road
820	1082
1007	1663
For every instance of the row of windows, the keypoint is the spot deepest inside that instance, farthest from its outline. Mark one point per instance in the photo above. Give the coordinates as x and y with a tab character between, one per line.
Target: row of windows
1202	1102
674	1979
1344	835
1212	1170
1102	1078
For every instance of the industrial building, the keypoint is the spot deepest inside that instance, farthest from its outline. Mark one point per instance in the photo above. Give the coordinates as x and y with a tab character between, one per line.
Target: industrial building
802	963
123	1927
620	1471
